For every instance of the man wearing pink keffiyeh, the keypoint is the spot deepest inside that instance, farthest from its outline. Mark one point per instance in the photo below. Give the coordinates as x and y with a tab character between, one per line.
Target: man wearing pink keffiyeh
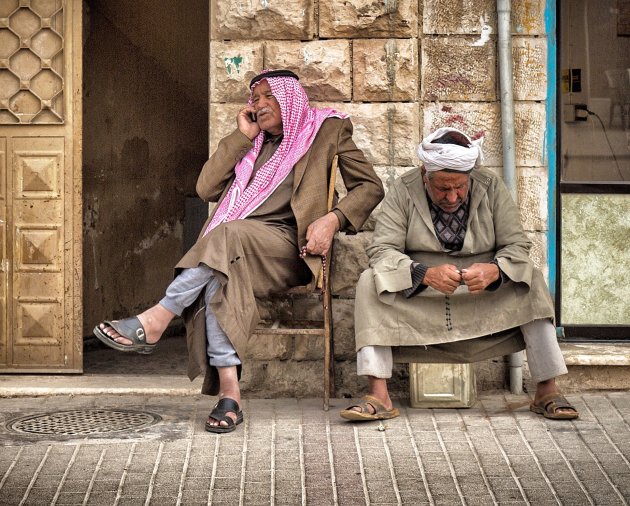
271	224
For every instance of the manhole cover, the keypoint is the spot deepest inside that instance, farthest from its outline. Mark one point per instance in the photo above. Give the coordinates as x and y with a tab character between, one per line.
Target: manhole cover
83	422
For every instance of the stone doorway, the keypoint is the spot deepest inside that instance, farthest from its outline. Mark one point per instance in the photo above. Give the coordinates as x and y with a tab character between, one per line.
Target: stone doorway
145	138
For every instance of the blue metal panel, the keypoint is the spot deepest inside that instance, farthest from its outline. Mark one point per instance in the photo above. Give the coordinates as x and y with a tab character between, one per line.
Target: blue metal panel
550	139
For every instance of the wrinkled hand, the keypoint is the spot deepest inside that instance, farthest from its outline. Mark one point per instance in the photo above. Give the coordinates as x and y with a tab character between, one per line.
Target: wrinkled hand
320	233
245	124
444	278
478	276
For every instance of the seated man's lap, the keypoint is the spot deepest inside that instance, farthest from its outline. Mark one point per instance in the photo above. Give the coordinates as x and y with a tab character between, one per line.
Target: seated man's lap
272	256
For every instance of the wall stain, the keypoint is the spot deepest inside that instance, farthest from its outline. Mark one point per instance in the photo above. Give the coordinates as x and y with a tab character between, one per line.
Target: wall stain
233	64
486	30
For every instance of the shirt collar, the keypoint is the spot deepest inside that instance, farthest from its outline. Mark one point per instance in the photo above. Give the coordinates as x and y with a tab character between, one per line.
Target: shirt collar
274	139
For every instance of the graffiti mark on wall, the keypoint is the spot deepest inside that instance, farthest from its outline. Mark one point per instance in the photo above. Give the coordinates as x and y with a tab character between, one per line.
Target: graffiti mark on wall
486	30
233	64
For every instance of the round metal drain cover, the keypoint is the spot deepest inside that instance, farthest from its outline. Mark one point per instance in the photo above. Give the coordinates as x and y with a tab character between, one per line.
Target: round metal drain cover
83	422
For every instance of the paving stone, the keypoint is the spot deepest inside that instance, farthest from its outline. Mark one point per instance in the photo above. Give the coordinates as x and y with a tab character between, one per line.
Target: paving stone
70	498
378	455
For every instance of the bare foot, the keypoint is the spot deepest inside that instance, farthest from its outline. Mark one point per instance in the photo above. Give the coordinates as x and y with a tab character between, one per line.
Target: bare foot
377	387
155	320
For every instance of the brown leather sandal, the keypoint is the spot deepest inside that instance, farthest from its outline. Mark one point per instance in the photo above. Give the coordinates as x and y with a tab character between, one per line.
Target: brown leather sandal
550	406
369	404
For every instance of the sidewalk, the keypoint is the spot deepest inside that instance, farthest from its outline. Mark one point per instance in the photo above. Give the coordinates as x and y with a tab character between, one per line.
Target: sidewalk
291	452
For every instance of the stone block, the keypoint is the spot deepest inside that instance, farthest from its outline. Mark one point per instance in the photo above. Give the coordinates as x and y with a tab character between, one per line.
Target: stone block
458	16
491	374
529	55
222	122
386	133
368	18
387	174
458	68
476	119
343	329
595	377
385	70
350	260
538	253
323	66
233	65
480	16
530	132
269	347
308	348
532	190
283	378
267	19
484	119
275	307
528	17
349	385
308	308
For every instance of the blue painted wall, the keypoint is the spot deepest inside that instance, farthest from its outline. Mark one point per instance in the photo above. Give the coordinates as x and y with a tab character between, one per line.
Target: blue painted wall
550	144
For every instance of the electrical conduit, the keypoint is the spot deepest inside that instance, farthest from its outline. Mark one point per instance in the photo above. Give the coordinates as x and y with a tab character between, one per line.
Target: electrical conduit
504	9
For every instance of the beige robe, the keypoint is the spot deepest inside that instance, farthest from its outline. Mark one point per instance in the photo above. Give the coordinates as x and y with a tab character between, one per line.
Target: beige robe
404	233
253	257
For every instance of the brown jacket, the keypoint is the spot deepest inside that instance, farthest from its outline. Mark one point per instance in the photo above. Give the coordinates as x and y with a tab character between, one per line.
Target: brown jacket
234	304
311	176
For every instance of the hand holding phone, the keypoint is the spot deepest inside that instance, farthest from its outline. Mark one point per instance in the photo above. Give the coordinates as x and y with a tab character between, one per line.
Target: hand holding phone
246	120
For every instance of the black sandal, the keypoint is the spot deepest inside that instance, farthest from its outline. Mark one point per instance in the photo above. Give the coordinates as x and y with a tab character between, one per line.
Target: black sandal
219	414
129	328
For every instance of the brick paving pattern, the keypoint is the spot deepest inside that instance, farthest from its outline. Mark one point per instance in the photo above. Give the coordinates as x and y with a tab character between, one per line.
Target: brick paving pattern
290	452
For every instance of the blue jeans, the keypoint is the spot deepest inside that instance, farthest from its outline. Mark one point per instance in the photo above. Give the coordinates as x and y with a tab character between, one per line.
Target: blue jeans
182	292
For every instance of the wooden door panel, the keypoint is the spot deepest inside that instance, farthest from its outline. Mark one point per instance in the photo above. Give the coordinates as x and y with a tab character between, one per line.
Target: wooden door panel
40	182
38	226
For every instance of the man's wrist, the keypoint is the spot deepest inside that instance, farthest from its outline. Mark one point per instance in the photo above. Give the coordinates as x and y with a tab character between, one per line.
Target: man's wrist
500	277
336	222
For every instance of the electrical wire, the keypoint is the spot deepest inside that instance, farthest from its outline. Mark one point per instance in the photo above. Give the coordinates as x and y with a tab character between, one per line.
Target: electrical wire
591	113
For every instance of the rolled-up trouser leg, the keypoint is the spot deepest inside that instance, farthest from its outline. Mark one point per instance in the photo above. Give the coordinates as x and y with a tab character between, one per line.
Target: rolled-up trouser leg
375	361
543	352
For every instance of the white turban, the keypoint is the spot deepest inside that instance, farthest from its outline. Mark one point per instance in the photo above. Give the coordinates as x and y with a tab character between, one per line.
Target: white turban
449	156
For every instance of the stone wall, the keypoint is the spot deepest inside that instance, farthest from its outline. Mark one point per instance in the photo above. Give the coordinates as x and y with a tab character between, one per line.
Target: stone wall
400	69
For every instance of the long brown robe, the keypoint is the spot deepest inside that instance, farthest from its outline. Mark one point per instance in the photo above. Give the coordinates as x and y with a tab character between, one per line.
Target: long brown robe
405	233
255	257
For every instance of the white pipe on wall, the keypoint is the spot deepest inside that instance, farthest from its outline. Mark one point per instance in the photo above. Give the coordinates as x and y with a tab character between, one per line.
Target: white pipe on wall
504	9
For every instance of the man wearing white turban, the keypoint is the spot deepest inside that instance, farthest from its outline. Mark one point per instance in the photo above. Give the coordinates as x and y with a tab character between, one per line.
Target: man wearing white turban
450	279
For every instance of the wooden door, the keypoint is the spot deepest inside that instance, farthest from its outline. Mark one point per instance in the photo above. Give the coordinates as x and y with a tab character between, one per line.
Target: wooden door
40	186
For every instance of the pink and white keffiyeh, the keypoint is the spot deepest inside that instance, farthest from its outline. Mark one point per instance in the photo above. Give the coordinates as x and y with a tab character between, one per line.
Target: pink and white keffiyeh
300	124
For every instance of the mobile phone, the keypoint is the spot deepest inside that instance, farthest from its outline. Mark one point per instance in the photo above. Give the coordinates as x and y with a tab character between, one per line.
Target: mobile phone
252	116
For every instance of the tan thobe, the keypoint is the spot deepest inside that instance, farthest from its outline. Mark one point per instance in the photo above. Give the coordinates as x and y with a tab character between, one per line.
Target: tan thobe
405	233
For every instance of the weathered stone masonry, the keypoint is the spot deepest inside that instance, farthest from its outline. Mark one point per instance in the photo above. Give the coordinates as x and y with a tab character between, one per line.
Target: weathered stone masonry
400	68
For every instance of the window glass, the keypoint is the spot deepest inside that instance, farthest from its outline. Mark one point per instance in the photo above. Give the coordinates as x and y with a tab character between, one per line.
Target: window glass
595	91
